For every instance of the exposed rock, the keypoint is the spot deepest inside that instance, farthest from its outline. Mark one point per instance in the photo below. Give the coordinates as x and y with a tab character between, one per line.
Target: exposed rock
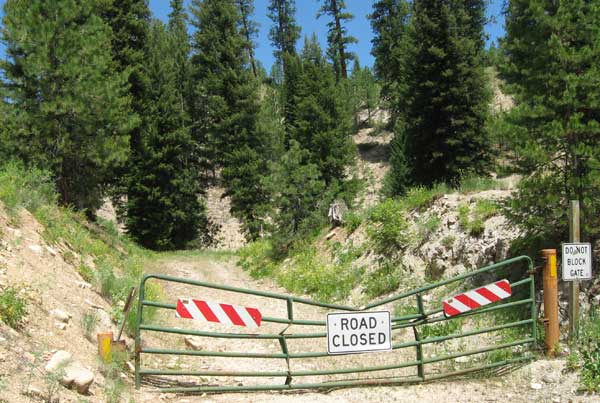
35	248
61	315
58	360
51	251
78	377
550	378
60	325
193	342
536	386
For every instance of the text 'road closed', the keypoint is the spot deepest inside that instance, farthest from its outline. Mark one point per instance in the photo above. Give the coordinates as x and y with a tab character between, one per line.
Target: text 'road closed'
359	332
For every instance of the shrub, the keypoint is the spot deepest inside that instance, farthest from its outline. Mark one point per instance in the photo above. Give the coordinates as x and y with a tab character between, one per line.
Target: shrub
382	281
589	348
256	259
471	184
473	221
352	220
13	307
89	322
20	188
388	230
421	197
308	273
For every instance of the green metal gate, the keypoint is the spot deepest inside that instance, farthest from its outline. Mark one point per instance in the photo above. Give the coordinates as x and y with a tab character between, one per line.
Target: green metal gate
418	324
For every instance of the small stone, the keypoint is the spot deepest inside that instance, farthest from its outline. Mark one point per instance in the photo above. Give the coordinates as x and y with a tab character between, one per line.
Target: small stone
536	386
51	251
92	304
121	304
61	315
462	359
32	391
193	342
130	367
58	360
35	248
84	285
79	377
550	378
556	400
60	326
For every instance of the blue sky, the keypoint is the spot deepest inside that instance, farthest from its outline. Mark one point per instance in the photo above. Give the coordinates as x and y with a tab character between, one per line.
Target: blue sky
306	18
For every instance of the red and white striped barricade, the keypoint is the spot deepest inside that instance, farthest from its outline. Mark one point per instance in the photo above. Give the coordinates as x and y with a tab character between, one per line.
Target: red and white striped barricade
225	314
476	298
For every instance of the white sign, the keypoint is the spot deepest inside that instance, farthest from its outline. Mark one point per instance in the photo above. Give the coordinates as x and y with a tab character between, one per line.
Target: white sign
358	332
576	261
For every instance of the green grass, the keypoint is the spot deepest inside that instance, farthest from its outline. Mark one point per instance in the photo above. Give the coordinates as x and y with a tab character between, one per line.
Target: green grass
388	227
310	273
13	307
589	352
384	280
473	184
421	197
472	219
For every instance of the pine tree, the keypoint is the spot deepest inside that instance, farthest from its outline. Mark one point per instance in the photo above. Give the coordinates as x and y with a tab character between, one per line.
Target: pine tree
163	210
552	53
393	52
73	107
445	123
129	20
226	106
338	38
8	129
321	125
285	32
297	192
249	30
177	27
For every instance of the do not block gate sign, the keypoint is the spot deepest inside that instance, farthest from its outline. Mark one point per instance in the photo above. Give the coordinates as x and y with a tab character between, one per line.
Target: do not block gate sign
576	261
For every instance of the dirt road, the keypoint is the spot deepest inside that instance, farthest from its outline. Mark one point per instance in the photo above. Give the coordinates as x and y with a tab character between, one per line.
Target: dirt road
518	386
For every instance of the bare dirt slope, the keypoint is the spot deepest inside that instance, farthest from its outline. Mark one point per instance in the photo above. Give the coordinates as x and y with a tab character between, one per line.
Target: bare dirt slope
48	283
541	381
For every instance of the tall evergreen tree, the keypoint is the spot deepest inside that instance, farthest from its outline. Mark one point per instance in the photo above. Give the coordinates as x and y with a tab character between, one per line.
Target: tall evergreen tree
129	20
249	29
445	123
177	27
73	107
226	106
163	210
285	32
297	192
338	38
552	52
320	124
393	52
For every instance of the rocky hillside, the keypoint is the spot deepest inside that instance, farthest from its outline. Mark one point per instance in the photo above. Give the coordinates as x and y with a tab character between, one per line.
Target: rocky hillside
52	354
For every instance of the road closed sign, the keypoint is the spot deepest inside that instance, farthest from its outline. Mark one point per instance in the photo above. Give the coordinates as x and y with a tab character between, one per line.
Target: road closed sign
358	332
576	261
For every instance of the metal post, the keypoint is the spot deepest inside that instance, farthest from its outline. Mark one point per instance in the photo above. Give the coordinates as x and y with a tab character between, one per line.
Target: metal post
550	280
138	344
574	236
